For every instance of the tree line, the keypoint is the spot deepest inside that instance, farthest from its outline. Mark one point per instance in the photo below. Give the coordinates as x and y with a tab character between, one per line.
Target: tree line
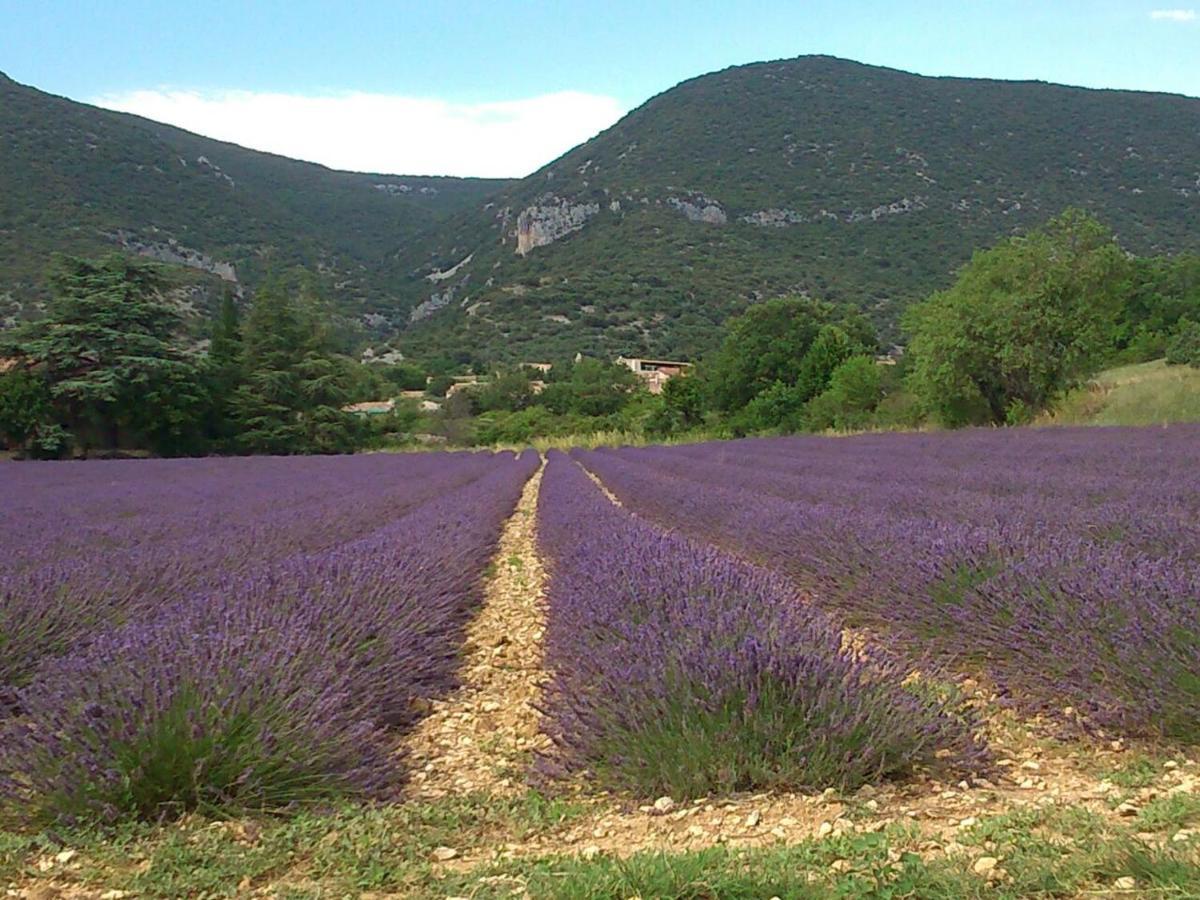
107	370
1024	322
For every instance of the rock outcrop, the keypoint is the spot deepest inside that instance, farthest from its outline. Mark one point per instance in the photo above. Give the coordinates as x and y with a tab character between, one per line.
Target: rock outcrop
774	218
171	251
551	219
699	208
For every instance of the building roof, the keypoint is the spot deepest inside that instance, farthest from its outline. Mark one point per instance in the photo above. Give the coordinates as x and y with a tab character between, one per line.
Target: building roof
371	407
656	362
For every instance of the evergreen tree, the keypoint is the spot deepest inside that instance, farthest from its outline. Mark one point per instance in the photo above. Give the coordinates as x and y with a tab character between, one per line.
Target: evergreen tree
290	397
224	371
108	351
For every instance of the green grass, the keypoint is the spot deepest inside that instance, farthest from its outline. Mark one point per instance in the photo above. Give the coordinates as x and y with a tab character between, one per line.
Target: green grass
1150	393
1170	813
347	849
350	850
1139	772
1044	853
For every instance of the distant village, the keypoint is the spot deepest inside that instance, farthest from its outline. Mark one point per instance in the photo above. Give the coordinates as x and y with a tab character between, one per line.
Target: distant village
654	373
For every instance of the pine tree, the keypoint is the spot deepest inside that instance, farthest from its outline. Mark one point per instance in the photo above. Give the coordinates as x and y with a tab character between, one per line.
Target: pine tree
294	386
107	348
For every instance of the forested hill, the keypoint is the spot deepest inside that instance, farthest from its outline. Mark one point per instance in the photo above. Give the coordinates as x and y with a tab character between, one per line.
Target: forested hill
81	179
813	175
819	175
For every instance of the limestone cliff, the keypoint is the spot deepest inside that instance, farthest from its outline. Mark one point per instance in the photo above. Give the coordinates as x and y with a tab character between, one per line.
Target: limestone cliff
550	219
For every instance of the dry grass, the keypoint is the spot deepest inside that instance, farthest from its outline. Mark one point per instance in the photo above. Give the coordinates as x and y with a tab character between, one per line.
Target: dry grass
1150	393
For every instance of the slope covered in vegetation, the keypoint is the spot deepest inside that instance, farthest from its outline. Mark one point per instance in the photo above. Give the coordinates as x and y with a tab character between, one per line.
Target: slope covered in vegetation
79	179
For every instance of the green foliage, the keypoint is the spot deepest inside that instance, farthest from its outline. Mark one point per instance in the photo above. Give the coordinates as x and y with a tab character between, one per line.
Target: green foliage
1183	349
590	387
680	407
107	350
777	357
788	343
1165	291
855	390
27	415
778	408
831	347
439	385
403	376
763	347
291	396
509	391
1024	321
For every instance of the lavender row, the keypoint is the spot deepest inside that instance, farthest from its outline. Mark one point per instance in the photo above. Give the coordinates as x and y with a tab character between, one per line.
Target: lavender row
268	690
176	528
679	669
1057	617
1096	483
54	511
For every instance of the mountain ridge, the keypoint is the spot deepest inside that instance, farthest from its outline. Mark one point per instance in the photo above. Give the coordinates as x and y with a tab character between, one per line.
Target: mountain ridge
814	175
1002	156
213	206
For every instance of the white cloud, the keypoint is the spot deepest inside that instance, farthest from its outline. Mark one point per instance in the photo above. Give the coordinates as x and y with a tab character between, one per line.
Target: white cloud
386	133
1173	15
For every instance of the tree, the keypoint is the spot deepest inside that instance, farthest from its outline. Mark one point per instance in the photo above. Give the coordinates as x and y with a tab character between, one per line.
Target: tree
403	376
768	345
681	406
590	388
294	387
830	348
1024	321
855	389
1184	345
224	370
508	391
108	351
778	408
1164	291
27	415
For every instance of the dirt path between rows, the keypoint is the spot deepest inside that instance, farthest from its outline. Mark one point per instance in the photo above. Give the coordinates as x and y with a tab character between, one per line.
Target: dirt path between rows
481	738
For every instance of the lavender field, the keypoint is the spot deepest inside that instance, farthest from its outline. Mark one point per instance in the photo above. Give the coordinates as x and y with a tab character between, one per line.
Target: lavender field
246	633
1063	564
787	615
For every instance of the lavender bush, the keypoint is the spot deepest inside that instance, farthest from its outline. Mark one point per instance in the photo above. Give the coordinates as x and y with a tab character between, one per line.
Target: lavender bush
678	669
1065	564
264	689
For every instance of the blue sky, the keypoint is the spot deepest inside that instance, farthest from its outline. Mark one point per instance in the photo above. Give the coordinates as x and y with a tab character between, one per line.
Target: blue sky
519	80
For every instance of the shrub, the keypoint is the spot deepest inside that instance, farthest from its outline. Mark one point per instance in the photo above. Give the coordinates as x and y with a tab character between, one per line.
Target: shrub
219	706
1183	349
1056	562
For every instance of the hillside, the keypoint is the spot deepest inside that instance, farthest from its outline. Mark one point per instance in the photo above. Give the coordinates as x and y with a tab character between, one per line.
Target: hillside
819	175
81	179
816	175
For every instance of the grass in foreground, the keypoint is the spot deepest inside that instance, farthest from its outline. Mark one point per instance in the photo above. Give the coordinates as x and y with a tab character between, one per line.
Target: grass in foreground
1038	852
